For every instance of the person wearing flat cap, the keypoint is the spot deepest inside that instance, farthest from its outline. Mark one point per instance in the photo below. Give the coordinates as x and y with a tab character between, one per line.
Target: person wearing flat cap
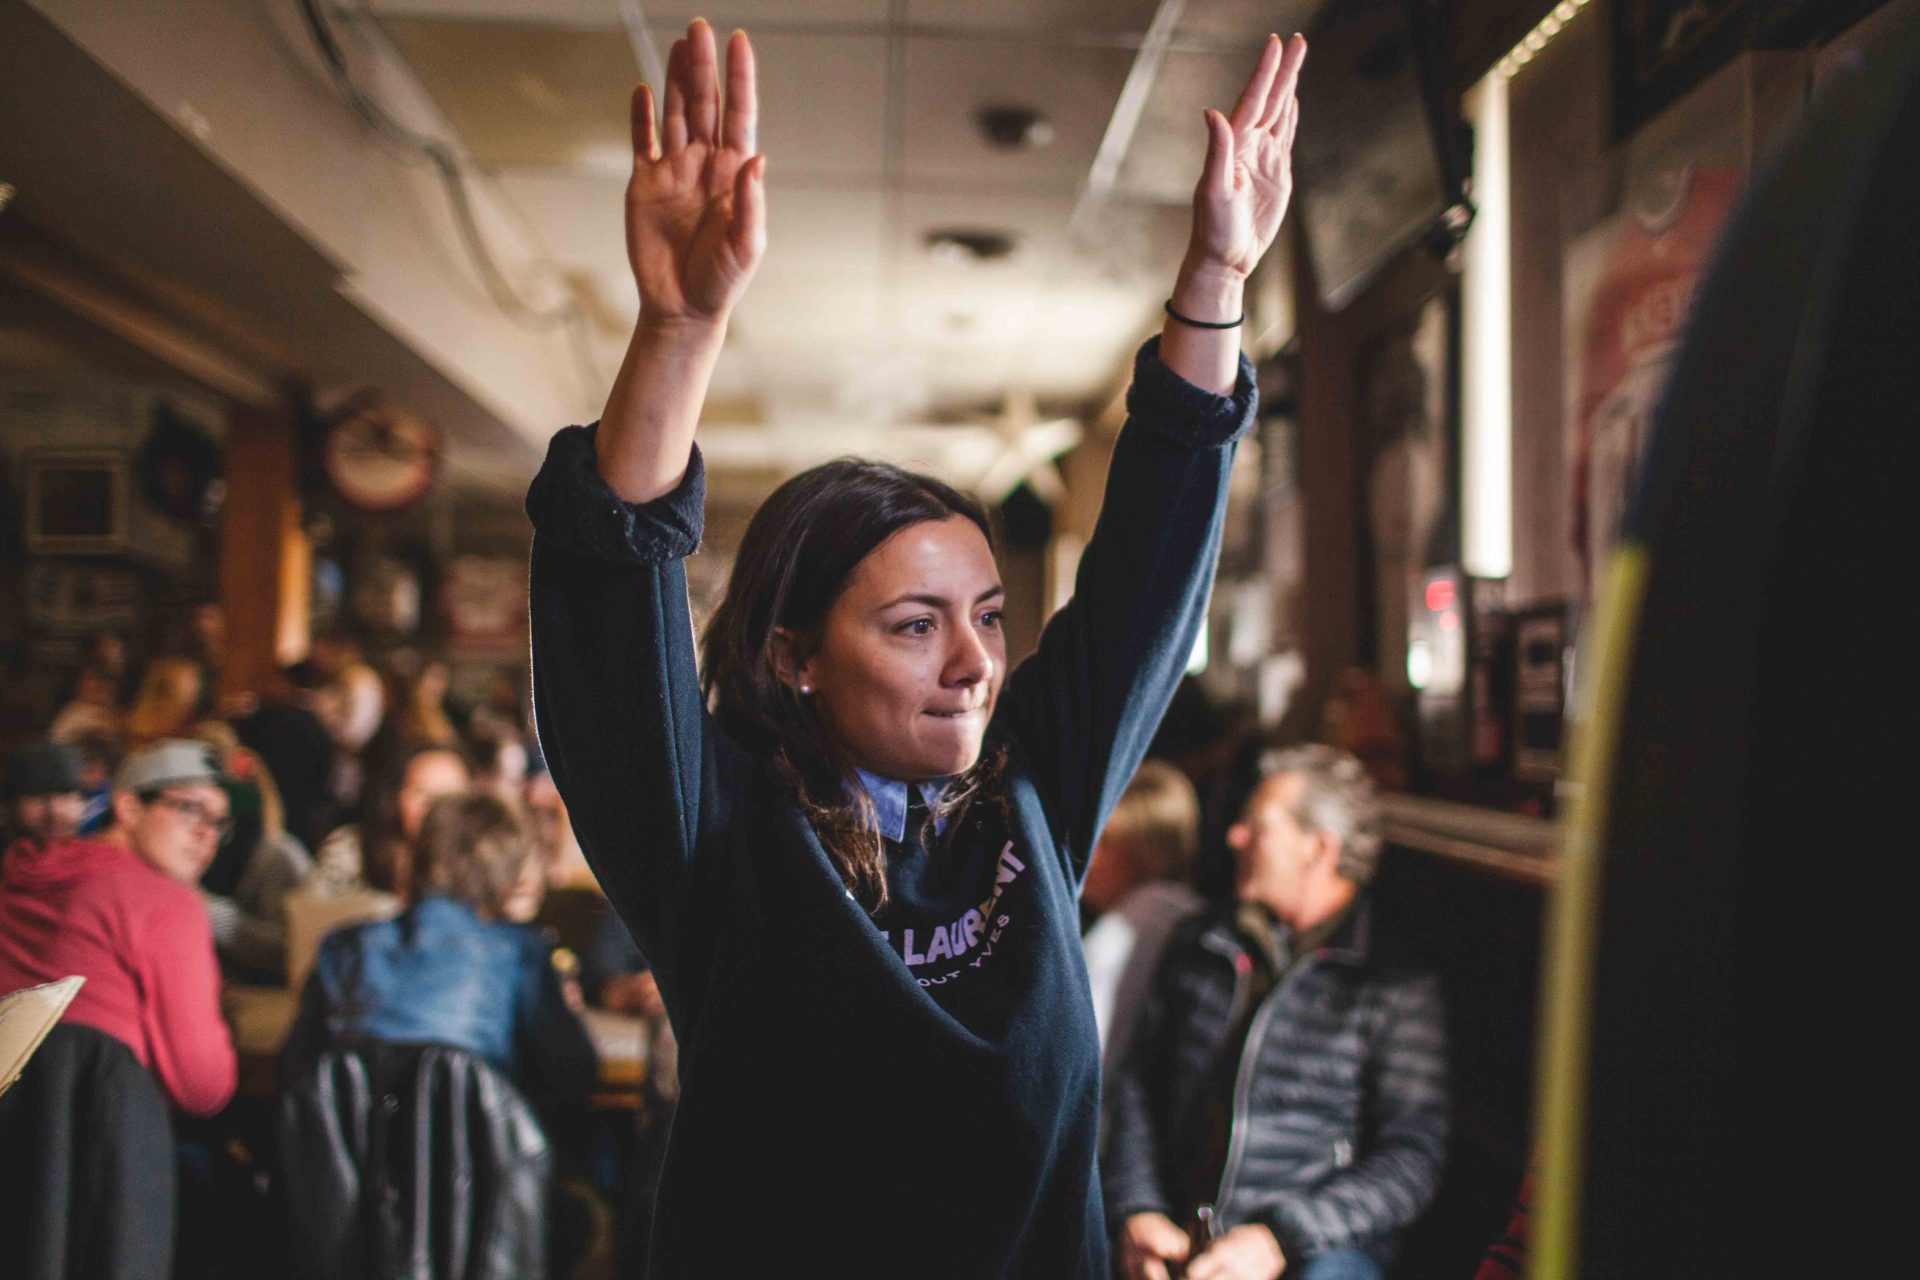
45	794
121	911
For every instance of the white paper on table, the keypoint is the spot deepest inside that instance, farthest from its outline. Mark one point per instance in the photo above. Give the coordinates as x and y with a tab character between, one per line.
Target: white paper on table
25	1018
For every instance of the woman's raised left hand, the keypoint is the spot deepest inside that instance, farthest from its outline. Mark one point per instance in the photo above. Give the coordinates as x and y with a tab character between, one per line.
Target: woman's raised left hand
1247	182
1237	209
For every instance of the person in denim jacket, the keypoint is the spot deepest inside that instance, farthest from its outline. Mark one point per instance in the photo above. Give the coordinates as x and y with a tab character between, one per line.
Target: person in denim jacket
449	970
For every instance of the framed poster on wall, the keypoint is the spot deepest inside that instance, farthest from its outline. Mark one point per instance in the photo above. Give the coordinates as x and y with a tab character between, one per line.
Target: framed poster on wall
1662	48
76	502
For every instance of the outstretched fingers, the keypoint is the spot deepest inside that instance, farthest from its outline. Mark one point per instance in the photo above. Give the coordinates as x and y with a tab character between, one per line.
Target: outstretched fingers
646	142
1288	125
1285	83
1217	174
743	98
1253	99
747	232
702	70
673	122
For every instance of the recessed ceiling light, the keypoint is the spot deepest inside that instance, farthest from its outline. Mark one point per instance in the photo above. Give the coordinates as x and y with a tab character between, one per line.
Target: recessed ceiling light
1014	128
967	244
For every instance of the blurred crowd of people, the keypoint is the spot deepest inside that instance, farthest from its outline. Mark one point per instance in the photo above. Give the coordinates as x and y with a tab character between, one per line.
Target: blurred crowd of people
394	859
404	863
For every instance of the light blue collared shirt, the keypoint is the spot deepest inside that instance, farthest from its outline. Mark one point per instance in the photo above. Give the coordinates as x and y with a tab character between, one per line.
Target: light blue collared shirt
890	802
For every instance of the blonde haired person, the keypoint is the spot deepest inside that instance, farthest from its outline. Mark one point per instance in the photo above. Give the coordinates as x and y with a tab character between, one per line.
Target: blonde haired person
453	969
167	703
1138	884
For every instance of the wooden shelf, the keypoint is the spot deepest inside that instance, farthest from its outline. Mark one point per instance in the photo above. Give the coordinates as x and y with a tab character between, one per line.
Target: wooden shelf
1511	846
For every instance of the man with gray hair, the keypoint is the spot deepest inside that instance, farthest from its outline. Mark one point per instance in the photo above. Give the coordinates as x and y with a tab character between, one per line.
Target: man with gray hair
1284	1110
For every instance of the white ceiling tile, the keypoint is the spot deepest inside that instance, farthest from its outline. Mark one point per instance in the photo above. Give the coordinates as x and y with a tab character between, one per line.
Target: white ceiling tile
773	14
824	229
578	216
949	79
1037	225
1249	20
1051	16
988	307
548	12
1164	161
723	14
521	94
823	101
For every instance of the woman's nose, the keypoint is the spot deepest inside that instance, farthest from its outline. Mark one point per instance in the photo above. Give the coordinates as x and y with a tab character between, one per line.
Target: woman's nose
969	661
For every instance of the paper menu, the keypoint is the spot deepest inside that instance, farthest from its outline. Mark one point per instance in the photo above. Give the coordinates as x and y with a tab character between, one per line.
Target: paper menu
25	1018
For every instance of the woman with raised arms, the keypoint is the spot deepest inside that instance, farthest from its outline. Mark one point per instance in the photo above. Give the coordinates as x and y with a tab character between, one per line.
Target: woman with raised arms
852	854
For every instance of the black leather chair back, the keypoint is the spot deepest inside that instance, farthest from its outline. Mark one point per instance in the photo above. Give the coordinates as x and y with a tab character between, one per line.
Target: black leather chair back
415	1162
86	1164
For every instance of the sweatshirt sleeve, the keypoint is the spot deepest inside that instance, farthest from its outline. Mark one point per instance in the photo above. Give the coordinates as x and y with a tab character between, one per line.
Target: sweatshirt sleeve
192	1050
617	700
1082	710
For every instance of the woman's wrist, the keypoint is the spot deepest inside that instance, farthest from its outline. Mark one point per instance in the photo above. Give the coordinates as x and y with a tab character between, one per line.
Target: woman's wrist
1208	291
683	333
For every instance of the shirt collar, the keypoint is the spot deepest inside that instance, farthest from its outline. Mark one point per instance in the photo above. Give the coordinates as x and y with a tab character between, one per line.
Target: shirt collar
890	803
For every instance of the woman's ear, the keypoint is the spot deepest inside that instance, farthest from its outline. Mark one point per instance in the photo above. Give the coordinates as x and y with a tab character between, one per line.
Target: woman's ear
789	664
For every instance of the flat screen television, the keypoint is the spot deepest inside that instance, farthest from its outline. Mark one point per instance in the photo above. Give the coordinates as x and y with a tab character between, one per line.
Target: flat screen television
1373	173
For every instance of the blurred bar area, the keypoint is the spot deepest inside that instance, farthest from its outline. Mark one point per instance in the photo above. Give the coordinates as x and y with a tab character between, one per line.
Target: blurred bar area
294	293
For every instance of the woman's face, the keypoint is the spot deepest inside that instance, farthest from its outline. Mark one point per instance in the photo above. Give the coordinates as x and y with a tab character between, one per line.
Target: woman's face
430	775
911	654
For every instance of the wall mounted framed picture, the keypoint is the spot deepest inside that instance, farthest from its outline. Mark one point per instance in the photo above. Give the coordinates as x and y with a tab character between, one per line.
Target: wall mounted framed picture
1662	48
76	501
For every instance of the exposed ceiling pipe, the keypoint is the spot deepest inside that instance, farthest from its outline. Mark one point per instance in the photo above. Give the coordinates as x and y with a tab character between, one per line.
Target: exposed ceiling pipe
646	54
142	329
1130	106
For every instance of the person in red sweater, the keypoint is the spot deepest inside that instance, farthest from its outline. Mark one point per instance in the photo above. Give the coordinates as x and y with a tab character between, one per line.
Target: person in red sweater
121	911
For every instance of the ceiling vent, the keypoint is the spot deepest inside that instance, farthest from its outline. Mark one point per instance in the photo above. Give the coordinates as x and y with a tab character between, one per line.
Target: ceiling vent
1014	128
964	245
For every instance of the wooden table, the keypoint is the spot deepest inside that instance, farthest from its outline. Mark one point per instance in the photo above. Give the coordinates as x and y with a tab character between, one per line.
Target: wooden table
261	1017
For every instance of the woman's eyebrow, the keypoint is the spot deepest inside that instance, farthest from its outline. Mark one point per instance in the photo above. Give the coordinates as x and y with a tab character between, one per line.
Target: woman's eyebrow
941	602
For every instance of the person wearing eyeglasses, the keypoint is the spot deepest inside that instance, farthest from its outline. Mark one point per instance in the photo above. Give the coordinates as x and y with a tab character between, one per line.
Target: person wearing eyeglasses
121	911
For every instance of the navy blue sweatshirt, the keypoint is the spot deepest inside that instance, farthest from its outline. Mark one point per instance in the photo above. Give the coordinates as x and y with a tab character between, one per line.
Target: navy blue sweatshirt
855	1101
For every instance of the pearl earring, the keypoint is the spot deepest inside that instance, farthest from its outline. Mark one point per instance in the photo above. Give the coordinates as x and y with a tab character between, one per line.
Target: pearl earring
806	688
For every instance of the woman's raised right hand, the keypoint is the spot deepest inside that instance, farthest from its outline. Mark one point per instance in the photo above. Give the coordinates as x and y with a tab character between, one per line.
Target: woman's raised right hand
696	204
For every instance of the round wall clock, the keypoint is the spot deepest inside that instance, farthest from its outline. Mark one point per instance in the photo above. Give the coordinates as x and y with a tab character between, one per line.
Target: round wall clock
381	460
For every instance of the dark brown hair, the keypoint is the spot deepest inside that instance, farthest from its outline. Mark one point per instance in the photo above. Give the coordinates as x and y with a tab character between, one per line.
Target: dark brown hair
473	848
380	813
796	557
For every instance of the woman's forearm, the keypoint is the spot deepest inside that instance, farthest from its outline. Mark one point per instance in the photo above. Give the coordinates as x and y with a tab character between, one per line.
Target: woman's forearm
1208	358
646	430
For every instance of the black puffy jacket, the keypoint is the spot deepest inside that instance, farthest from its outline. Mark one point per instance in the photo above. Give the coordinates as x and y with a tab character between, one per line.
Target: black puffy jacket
1340	1097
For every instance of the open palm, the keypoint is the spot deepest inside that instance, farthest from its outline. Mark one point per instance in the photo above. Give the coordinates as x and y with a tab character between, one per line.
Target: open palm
696	205
1247	181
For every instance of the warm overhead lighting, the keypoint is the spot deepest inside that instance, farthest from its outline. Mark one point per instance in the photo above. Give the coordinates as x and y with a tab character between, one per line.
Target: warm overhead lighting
966	245
1486	344
1014	128
1536	40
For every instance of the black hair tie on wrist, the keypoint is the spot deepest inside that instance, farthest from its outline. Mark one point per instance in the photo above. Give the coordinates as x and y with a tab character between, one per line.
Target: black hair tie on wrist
1205	324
